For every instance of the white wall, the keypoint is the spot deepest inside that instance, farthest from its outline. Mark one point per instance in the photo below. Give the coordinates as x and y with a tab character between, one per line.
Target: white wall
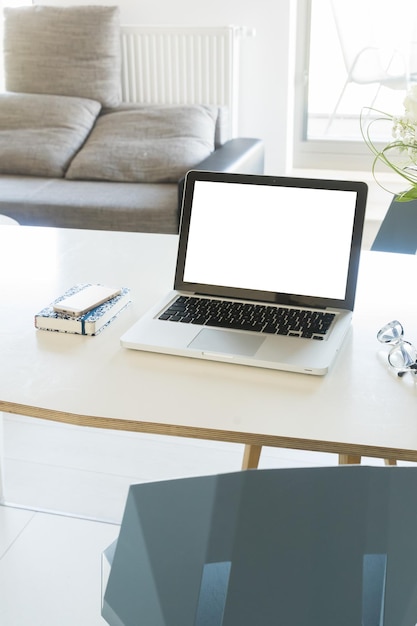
266	66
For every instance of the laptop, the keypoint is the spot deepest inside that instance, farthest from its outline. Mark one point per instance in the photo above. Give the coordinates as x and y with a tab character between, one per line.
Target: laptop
266	272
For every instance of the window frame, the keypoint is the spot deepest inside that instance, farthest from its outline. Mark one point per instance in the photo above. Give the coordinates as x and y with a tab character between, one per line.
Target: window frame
317	153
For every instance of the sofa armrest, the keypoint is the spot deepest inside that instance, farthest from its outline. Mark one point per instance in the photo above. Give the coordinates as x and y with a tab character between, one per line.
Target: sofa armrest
241	155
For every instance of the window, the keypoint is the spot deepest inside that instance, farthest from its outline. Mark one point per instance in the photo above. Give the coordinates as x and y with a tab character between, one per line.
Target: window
350	55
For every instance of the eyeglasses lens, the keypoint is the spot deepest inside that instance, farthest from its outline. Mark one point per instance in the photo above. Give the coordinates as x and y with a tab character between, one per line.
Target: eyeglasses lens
391	333
403	355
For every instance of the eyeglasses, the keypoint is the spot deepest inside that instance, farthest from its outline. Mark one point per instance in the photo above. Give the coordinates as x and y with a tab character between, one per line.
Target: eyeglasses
403	355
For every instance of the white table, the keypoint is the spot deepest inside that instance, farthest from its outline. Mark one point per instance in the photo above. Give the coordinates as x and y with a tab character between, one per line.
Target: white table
359	409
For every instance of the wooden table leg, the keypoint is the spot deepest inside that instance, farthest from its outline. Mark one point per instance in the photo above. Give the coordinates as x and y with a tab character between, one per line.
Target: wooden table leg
251	457
349	459
352	459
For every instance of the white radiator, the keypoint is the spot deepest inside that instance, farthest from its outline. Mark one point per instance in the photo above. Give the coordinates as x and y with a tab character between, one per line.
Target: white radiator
182	65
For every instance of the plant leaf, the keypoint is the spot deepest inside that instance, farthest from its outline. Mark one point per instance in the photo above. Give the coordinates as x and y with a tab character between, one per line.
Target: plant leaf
406	196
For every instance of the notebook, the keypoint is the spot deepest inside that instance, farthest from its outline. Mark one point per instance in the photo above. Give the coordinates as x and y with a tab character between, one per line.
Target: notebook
266	272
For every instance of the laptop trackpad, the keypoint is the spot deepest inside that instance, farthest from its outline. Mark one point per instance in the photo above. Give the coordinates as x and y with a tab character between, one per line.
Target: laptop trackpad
215	340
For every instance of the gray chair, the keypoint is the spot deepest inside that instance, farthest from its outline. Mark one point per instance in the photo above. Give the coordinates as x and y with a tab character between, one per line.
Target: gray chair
398	230
320	546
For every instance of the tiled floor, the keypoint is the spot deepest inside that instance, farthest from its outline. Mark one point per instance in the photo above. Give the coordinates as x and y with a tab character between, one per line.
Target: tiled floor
50	569
50	563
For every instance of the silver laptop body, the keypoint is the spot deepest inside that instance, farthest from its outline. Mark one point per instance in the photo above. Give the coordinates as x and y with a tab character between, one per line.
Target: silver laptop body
261	244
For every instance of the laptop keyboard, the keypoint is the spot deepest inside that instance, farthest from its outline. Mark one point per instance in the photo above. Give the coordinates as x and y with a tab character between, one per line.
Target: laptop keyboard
243	316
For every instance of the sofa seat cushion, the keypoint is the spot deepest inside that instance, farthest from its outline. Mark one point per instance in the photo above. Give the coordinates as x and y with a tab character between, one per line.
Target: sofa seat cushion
146	144
70	51
39	134
95	205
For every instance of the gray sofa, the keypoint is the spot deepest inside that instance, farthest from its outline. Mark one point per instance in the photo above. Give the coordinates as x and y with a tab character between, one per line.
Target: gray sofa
73	155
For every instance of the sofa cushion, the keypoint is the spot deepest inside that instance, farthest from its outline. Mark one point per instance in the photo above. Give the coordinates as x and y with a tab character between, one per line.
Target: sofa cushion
96	205
39	134
139	143
70	51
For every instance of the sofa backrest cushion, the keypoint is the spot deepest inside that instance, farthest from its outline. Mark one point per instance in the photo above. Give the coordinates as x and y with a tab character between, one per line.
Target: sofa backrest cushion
146	144
39	134
70	51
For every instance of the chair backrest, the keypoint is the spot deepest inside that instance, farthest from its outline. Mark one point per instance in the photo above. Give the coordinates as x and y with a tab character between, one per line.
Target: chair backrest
368	42
398	230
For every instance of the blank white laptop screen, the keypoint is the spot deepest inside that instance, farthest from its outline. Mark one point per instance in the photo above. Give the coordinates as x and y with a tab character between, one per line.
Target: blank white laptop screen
280	239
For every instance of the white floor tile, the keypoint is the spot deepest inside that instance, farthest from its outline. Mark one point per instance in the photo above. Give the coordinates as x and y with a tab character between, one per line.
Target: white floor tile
87	472
51	576
12	523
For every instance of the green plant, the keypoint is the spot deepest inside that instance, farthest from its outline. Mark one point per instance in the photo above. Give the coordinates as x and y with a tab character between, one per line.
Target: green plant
399	155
